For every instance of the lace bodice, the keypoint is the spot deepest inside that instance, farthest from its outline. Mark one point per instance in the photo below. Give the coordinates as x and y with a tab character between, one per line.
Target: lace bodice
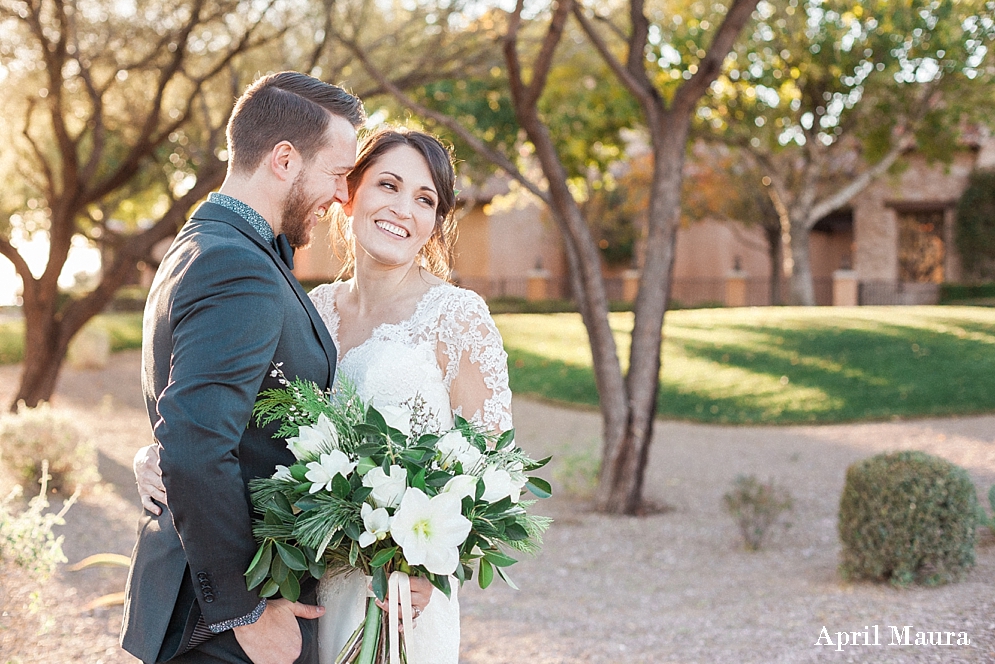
448	351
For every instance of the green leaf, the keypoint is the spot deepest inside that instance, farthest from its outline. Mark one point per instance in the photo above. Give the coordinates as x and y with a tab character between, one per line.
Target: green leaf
500	506
486	573
366	464
374	417
269	589
460	573
383	557
479	493
283	504
515	531
278	569
316	568
441	581
259	568
419	480
290	589
370	431
498	559
536	465
438	478
353	552
505	439
539	487
380	583
308	502
340	486
292	557
398	437
271	518
507	579
299	472
351	530
361	494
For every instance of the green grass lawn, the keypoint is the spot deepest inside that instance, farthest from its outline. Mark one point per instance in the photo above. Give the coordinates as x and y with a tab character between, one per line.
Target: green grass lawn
762	365
125	330
778	364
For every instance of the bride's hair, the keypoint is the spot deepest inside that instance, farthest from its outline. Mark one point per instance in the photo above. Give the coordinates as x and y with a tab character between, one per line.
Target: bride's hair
437	254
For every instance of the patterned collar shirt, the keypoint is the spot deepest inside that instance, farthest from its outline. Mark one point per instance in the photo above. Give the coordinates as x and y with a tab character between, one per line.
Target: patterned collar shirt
241	209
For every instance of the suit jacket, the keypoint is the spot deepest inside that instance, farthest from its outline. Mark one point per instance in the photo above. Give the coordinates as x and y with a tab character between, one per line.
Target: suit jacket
222	309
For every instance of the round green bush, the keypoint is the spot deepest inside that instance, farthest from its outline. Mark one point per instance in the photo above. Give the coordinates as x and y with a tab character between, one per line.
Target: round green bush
907	517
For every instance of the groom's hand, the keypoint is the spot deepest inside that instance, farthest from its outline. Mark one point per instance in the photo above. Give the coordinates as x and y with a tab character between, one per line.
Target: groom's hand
276	637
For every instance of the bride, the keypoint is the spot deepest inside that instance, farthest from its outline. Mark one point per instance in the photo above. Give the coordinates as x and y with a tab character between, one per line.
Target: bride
401	330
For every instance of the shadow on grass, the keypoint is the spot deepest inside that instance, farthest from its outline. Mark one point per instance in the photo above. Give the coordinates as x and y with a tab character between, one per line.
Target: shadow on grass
785	375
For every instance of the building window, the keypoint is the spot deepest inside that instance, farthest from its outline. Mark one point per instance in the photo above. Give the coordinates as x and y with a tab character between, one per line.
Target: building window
921	251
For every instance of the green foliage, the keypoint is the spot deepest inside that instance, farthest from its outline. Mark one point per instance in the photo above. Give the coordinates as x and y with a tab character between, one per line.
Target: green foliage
26	538
34	435
975	228
125	330
779	364
955	293
907	517
984	519
755	506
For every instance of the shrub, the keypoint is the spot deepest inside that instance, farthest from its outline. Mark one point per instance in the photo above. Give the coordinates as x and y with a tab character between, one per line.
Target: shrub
755	506
907	517
975	227
26	538
35	434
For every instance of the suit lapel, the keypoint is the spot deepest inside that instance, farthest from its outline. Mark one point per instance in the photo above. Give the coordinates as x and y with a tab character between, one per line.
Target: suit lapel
216	212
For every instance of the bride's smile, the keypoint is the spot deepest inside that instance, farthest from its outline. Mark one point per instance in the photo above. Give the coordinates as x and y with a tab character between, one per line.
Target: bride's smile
393	209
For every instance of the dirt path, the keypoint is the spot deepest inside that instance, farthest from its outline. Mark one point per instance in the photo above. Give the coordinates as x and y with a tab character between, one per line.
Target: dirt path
673	587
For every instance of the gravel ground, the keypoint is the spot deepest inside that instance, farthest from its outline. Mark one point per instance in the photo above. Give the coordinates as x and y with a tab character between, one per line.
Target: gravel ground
672	587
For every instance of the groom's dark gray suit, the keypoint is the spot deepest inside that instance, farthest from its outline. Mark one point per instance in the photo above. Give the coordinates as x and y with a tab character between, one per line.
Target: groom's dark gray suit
223	308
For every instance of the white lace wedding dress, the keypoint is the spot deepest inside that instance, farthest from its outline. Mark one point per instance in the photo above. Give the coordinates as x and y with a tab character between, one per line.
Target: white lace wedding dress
448	352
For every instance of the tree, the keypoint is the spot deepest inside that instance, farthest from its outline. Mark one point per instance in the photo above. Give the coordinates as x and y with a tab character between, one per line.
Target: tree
628	401
827	95
114	117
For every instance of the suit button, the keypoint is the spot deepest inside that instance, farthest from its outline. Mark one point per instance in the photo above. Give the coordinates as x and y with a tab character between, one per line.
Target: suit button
209	598
202	575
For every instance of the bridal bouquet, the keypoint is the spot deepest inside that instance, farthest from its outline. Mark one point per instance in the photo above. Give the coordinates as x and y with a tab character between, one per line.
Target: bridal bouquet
385	492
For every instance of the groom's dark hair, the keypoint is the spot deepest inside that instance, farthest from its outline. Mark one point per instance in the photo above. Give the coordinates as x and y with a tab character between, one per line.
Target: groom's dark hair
288	106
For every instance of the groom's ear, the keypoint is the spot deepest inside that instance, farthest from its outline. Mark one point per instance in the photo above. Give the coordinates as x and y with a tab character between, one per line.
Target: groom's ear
284	161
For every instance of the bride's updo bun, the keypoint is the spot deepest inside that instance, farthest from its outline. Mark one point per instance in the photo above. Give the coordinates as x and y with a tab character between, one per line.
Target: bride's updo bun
437	254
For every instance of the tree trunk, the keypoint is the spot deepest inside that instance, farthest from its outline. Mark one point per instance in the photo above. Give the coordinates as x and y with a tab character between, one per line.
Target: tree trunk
802	285
624	460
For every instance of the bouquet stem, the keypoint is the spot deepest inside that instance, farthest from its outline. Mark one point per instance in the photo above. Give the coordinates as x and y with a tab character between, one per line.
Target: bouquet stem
371	632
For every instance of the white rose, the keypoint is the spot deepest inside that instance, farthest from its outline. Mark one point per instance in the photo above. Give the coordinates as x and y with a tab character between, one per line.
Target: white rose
387	488
397	417
498	484
455	447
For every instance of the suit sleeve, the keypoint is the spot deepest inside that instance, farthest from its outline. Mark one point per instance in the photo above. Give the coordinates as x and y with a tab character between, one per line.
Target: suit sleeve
226	320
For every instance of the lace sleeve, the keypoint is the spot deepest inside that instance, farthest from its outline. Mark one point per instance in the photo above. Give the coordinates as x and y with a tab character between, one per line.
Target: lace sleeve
476	366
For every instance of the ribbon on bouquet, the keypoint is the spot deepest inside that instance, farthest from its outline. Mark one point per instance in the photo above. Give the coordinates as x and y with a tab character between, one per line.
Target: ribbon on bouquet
398	590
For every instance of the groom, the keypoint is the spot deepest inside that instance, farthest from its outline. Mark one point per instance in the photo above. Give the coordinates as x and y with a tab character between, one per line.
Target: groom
224	307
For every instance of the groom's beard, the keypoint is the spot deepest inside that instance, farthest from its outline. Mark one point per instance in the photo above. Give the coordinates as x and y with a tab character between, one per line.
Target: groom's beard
296	216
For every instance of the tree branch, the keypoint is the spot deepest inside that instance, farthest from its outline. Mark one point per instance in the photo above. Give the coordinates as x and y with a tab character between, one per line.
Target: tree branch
20	265
636	82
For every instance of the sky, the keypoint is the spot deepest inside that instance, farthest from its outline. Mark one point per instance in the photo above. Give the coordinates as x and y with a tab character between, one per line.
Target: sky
82	258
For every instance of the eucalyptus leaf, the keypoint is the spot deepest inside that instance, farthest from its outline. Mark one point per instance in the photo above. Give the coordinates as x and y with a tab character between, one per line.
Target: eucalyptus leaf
505	439
539	487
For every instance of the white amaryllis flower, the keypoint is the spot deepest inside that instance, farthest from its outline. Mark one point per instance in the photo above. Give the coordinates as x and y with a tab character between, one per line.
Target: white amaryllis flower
430	530
387	488
377	523
455	447
499	483
283	473
398	417
461	485
321	472
312	440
